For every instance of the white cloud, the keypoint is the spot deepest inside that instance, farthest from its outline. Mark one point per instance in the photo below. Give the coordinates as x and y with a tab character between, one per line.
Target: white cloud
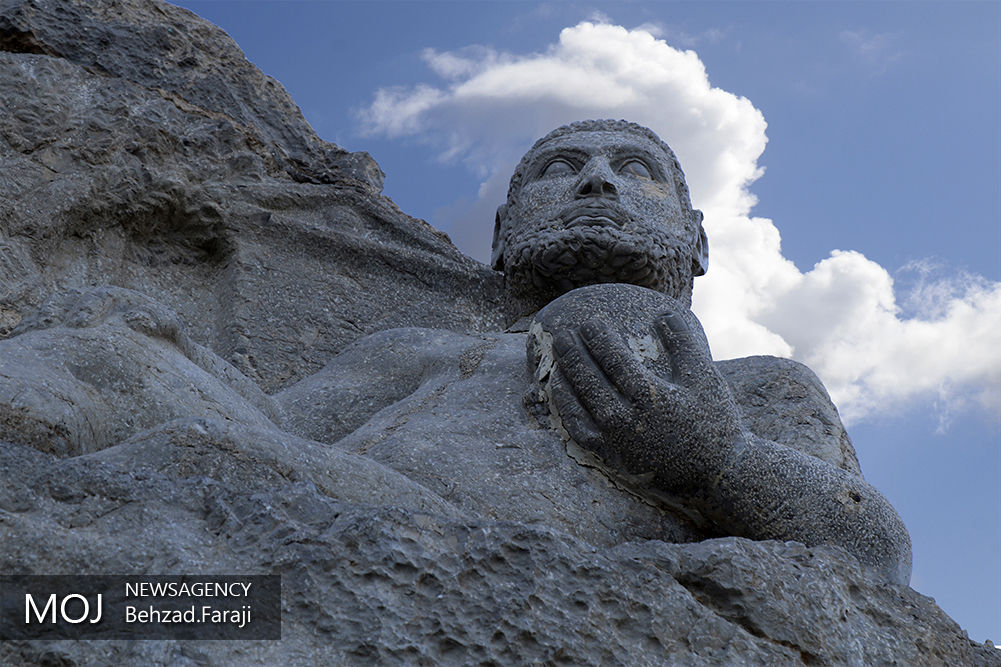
878	50
873	349
842	318
598	16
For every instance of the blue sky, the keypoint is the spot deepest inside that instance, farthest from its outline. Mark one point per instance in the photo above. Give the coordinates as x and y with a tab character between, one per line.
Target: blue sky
873	129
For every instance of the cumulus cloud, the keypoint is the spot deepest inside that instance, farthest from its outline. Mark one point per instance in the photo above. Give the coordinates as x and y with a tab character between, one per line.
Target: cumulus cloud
843	319
873	348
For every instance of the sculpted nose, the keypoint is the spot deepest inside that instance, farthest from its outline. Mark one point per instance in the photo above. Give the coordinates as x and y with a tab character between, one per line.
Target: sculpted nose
596	182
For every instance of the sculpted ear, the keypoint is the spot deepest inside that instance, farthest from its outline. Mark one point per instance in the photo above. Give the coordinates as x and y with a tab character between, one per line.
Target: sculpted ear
700	253
497	256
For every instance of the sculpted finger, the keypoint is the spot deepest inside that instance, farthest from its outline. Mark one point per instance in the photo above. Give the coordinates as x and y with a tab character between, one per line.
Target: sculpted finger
616	360
690	360
578	424
573	417
594	391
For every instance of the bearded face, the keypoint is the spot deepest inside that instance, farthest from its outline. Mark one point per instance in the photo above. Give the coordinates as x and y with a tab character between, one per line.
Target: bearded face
598	207
550	262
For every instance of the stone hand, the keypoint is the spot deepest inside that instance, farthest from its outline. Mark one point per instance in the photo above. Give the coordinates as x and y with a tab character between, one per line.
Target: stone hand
687	432
682	429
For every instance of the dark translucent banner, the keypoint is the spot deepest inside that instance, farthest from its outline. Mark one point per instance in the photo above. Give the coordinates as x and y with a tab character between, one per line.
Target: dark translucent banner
140	607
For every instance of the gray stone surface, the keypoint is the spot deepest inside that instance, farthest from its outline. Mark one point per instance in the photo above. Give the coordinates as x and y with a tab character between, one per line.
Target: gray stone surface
787	404
92	371
374	584
627	376
597	201
139	148
221	408
447	411
598	231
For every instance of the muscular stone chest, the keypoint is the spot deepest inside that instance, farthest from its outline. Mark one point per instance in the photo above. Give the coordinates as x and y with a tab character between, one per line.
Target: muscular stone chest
466	434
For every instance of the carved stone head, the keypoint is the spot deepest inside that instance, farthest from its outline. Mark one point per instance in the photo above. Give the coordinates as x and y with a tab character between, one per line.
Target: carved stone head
598	201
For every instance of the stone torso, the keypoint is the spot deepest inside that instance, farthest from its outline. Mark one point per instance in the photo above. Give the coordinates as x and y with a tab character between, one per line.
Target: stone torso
462	431
454	414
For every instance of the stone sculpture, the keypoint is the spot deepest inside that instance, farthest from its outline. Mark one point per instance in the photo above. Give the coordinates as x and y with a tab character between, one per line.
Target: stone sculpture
567	224
606	202
592	203
427	496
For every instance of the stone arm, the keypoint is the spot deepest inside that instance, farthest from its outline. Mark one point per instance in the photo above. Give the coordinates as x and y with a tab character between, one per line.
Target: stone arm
783	401
685	432
768	491
365	377
92	369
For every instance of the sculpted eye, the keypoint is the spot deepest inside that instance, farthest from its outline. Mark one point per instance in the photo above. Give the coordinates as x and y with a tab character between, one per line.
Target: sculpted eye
635	168
558	168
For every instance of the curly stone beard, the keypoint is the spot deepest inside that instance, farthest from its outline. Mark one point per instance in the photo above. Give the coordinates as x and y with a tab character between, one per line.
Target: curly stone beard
544	264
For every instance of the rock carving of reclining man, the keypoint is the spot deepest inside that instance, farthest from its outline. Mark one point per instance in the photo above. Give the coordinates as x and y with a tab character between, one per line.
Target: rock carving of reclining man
620	426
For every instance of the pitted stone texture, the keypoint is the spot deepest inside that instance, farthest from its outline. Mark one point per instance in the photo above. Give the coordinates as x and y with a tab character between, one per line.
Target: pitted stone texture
780	400
442	409
370	585
139	149
627	376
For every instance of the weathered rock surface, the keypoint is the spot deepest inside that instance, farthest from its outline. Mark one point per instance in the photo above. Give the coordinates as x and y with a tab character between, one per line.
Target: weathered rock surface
368	583
139	149
768	388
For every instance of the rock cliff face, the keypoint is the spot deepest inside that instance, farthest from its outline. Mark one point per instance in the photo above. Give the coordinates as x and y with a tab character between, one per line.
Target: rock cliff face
139	149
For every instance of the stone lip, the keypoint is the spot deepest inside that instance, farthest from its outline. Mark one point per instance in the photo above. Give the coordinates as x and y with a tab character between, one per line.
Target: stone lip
594	215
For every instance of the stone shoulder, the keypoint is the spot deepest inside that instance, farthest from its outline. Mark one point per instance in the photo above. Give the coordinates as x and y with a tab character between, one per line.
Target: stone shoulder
784	401
368	375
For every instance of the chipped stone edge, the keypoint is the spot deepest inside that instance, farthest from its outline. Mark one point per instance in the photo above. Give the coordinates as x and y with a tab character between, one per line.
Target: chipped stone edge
540	342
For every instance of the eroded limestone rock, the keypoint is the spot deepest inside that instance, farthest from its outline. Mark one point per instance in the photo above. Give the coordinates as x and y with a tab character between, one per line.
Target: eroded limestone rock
139	148
165	425
368	584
